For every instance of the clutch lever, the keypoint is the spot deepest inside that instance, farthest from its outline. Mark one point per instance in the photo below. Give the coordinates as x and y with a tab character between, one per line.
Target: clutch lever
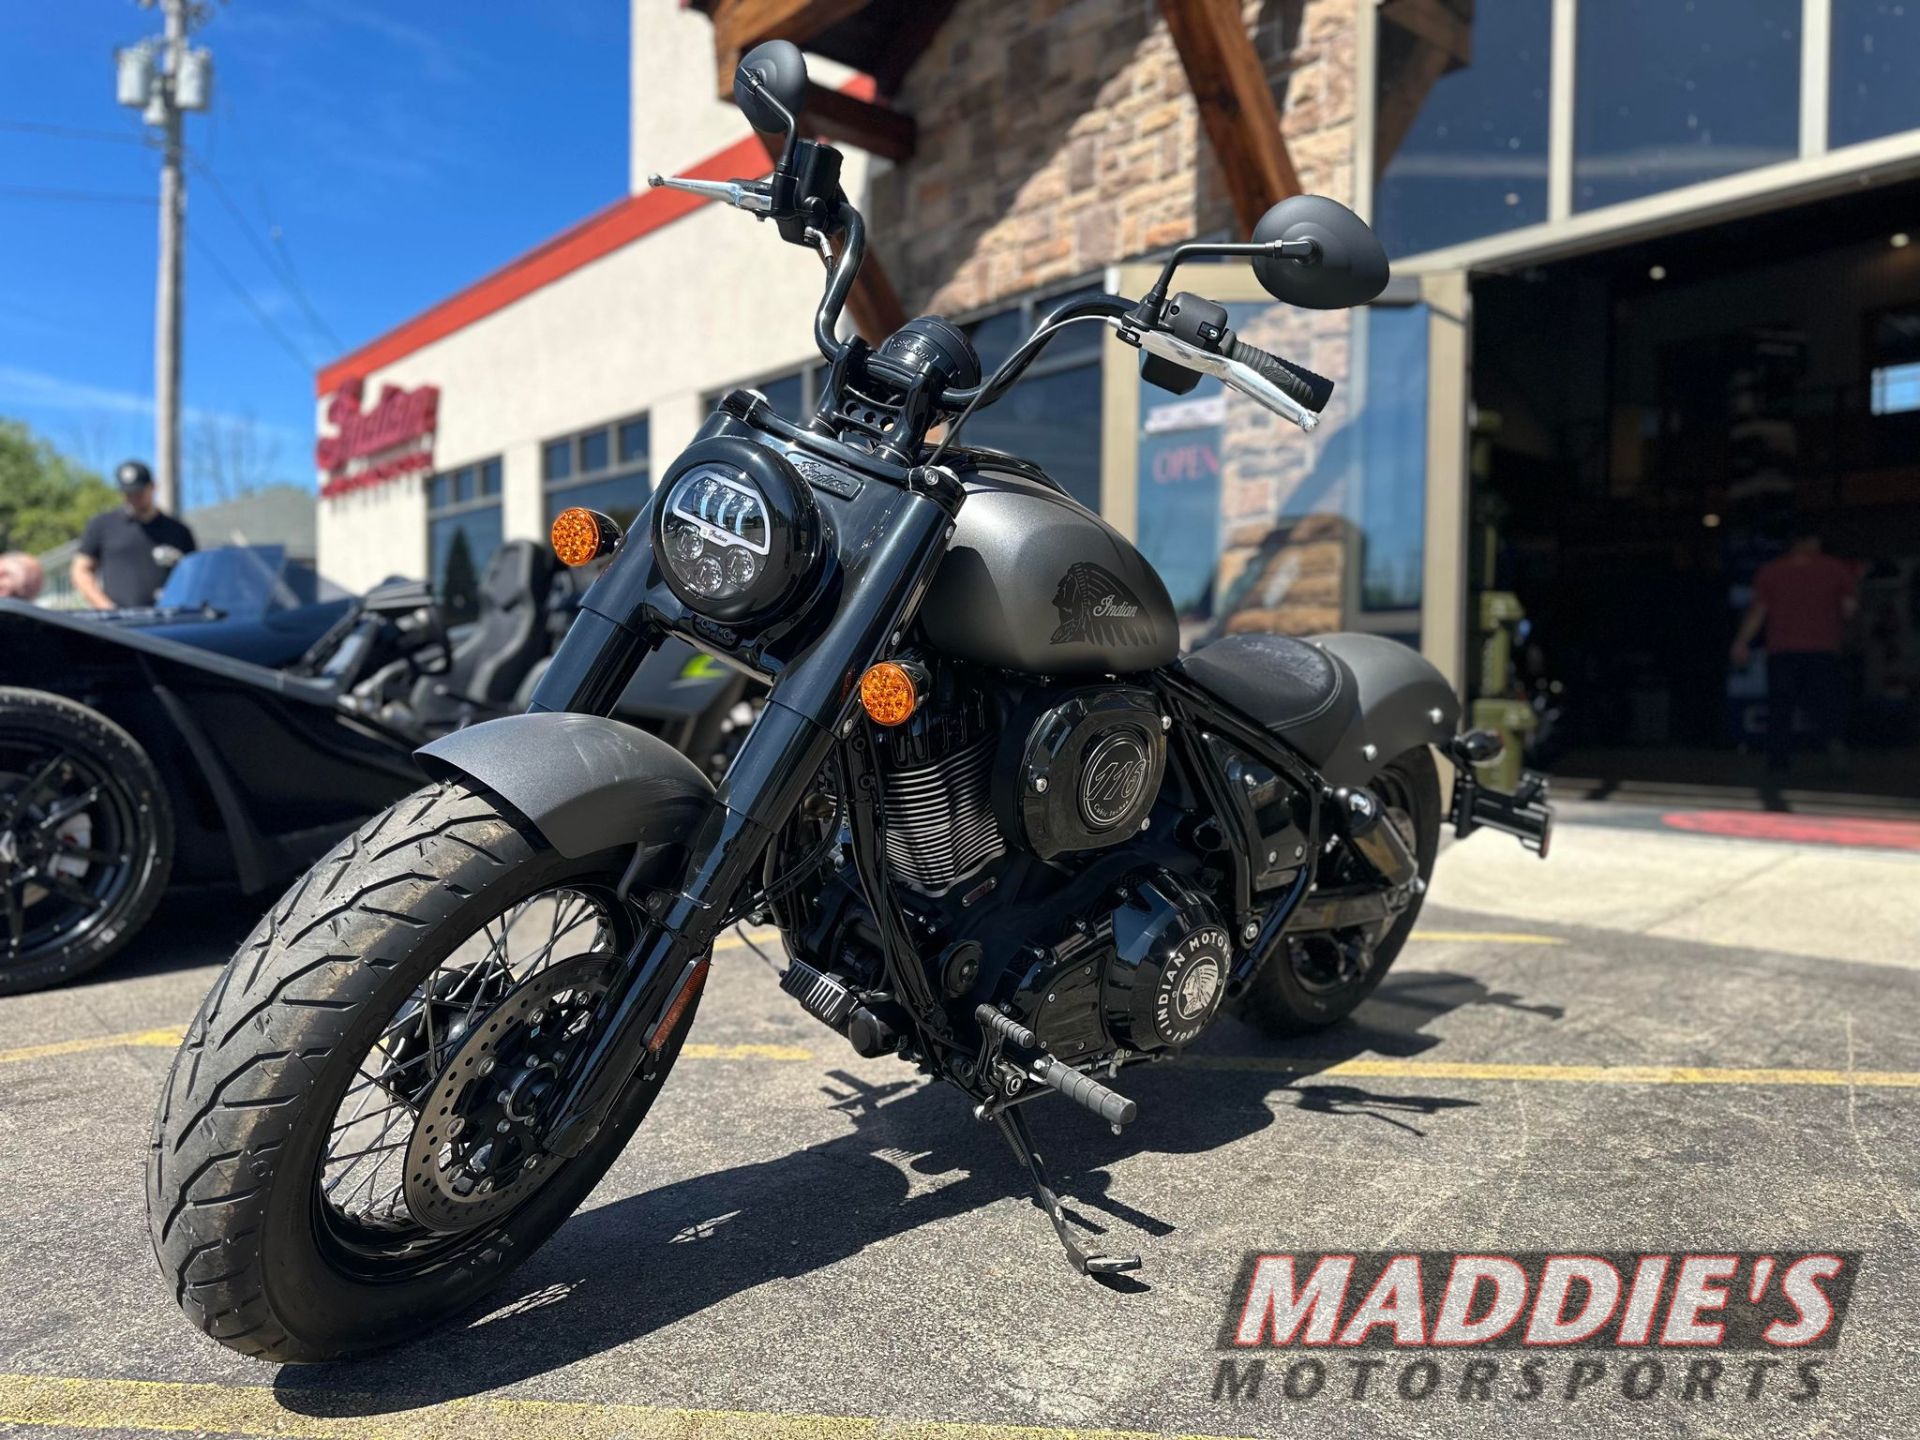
1233	373
750	195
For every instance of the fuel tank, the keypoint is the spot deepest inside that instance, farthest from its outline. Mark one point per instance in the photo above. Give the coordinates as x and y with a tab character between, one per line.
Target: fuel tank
1035	583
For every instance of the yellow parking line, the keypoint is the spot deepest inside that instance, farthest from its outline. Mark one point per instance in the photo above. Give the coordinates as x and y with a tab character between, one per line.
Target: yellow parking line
695	1050
1557	1074
162	1039
1488	937
257	1411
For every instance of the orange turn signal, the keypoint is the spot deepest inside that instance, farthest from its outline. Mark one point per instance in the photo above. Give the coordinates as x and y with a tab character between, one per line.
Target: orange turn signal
889	694
581	536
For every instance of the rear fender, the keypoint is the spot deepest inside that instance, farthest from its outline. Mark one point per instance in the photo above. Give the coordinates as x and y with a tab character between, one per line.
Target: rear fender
1404	703
586	782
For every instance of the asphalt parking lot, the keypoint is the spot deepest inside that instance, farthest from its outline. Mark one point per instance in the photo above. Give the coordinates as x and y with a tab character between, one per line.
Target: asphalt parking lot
804	1244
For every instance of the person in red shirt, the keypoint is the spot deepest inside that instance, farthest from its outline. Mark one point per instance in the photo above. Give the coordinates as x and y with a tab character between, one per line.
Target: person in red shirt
1804	598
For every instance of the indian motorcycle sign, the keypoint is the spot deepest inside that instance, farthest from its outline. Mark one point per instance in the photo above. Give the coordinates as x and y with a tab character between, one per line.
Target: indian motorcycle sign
377	443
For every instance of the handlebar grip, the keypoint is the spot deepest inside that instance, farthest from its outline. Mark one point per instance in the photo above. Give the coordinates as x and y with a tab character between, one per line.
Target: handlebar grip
1311	390
1110	1105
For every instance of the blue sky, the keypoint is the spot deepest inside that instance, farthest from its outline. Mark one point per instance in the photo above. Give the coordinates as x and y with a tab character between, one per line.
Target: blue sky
402	150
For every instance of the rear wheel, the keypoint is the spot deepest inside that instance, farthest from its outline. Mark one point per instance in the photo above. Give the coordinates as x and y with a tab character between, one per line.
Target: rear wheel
1313	981
86	839
348	1146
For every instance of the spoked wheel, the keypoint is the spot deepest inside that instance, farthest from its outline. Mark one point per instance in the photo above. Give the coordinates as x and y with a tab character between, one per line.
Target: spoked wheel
439	1131
86	839
411	1010
1317	979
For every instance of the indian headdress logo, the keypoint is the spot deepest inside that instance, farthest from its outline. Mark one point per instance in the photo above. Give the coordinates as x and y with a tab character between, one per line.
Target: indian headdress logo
1096	607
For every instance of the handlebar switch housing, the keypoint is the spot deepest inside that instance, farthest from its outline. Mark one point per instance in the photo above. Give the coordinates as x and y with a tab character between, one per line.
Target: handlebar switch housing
806	192
1200	322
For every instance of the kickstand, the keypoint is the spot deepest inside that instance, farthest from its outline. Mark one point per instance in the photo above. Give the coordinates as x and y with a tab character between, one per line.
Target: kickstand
1013	1125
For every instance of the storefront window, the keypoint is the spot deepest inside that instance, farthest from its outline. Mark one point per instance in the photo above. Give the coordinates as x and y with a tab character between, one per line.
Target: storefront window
1674	92
792	393
1392	465
463	531
1256	526
1466	153
1876	55
1052	417
605	469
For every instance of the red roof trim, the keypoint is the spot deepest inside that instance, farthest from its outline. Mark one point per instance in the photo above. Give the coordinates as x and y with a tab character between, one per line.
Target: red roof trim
598	235
619	224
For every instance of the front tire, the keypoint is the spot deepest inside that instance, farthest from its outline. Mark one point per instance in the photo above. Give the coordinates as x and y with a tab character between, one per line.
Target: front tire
272	1241
86	839
1294	994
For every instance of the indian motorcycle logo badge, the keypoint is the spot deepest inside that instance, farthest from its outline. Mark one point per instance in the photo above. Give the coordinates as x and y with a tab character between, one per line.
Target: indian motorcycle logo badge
1095	607
1732	1327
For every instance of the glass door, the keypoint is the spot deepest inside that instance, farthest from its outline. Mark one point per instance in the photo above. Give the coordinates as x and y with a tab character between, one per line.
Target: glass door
1257	526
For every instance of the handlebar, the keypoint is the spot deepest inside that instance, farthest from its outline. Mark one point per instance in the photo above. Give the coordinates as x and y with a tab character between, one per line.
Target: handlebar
1291	391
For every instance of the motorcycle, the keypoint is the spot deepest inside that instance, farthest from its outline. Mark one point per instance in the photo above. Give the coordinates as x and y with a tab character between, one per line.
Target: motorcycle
1006	832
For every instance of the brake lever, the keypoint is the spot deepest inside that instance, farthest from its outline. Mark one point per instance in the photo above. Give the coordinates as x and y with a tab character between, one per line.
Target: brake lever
1241	377
749	195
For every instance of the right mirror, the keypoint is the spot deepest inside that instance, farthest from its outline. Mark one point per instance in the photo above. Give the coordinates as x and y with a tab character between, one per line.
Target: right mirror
782	69
1352	265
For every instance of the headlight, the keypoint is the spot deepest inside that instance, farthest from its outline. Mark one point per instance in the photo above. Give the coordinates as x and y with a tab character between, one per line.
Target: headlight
736	530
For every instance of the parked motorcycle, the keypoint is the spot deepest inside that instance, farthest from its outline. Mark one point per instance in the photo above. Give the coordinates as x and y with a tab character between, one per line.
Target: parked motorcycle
1006	832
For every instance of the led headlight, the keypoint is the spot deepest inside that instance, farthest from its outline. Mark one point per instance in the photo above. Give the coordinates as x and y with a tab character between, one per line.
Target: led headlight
736	530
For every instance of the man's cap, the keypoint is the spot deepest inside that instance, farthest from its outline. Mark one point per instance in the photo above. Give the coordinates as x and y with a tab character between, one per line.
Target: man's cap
132	475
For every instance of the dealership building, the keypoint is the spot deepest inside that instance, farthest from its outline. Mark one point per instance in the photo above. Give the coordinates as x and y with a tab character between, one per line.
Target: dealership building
1655	306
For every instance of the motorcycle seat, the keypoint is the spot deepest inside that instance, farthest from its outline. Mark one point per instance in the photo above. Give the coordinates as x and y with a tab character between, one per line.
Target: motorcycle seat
1295	688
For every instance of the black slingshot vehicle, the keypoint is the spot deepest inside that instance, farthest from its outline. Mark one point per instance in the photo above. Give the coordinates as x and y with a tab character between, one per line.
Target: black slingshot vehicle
137	751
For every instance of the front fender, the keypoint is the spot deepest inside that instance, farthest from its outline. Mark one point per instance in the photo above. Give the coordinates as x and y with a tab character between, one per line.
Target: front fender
585	782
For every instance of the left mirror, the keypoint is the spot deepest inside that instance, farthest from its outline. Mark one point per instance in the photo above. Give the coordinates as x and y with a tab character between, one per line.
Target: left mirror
782	72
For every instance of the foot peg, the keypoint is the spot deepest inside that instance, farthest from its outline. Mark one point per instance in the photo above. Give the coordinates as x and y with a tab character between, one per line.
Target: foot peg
820	995
1013	1125
1082	1089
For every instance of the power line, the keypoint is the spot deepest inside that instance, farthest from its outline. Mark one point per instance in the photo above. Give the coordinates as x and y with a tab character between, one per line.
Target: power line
283	271
267	322
75	132
98	197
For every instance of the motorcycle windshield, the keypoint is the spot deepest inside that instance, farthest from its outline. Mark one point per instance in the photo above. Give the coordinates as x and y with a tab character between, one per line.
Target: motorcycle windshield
244	582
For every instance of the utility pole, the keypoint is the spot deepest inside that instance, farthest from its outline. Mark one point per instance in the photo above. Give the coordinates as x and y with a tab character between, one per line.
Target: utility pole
164	78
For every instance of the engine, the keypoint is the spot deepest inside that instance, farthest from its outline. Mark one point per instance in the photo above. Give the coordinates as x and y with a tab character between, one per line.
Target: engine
1149	975
1043	869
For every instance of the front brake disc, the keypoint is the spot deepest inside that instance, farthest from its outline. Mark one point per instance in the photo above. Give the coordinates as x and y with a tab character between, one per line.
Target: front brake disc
475	1152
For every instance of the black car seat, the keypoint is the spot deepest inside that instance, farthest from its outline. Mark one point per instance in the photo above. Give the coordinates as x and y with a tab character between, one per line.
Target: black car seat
490	660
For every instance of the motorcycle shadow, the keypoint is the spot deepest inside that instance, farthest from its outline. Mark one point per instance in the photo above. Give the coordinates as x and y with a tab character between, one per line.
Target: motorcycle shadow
627	1269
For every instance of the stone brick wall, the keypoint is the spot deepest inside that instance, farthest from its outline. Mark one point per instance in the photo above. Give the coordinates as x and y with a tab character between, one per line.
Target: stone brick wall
1058	136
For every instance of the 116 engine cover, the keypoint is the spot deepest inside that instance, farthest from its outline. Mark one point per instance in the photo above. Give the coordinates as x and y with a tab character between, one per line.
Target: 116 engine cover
1081	773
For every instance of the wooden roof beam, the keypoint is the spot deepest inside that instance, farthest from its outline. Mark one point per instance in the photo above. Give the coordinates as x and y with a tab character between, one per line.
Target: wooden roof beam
739	25
1229	81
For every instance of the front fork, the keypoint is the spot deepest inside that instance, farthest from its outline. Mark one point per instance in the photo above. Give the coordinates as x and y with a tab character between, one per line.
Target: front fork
817	688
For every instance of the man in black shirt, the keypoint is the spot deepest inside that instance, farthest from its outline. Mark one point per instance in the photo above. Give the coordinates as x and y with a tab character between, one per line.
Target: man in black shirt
125	554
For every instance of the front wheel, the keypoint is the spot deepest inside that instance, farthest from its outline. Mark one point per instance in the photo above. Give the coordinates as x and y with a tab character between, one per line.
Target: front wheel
348	1146
1313	981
